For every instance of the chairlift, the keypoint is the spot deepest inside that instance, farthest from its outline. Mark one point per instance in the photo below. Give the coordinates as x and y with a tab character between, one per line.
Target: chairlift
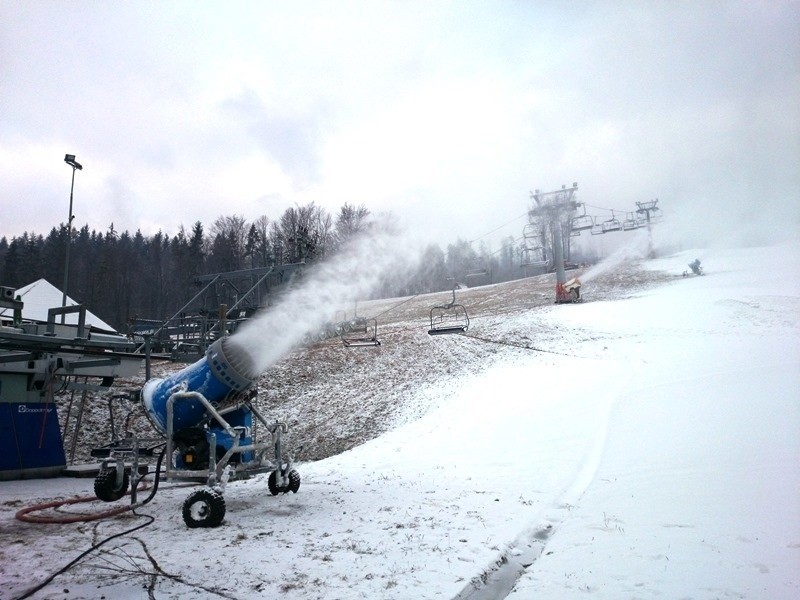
533	257
611	224
475	271
449	318
658	216
629	222
345	325
597	229
582	222
533	253
370	328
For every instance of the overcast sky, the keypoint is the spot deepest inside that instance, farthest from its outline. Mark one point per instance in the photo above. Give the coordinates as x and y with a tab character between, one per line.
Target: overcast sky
446	114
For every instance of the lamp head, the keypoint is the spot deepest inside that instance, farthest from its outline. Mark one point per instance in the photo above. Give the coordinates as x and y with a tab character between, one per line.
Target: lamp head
70	160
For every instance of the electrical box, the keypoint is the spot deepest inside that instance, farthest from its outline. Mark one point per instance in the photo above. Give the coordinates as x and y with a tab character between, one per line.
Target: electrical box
30	436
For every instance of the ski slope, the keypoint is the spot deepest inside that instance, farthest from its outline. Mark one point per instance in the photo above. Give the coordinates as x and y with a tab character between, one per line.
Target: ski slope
652	451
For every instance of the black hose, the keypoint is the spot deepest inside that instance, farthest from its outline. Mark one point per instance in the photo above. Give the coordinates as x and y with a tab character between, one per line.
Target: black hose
82	555
94	547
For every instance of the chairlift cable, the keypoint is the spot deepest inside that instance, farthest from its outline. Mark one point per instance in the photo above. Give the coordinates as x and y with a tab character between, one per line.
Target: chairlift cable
525	214
391	308
611	210
525	347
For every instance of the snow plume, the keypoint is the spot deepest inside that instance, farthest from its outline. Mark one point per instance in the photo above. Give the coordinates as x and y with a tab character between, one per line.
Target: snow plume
356	272
633	250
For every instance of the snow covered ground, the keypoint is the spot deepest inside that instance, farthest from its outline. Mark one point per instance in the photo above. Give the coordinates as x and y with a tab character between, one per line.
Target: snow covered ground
653	451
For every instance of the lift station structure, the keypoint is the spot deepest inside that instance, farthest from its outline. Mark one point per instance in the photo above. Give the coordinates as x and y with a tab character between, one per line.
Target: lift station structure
222	302
39	360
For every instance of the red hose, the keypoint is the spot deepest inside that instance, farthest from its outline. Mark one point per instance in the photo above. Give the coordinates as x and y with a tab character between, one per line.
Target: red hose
24	513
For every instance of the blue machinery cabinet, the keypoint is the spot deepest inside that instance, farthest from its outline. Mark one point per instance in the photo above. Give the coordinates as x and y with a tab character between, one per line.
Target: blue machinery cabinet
30	437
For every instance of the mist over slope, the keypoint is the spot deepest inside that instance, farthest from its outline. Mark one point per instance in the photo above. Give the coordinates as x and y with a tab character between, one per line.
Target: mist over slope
643	443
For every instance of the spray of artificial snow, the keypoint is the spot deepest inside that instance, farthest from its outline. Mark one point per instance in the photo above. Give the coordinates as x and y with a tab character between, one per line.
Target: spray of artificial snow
636	249
353	274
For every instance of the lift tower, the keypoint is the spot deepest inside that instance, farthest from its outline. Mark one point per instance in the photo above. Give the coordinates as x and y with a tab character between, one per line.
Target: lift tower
645	208
556	208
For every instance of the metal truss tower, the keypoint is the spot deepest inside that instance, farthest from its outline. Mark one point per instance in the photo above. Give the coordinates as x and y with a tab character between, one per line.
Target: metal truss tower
646	208
555	208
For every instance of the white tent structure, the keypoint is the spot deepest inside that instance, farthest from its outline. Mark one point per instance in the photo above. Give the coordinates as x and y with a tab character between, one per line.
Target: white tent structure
40	296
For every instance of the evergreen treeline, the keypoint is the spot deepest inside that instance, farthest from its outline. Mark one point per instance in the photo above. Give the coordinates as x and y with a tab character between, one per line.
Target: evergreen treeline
118	275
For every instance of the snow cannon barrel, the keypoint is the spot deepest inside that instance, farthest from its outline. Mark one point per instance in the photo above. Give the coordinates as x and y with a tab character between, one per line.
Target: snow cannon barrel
225	368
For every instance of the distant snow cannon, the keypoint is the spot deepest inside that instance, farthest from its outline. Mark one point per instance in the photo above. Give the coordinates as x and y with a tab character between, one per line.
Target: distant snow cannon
569	291
695	266
205	411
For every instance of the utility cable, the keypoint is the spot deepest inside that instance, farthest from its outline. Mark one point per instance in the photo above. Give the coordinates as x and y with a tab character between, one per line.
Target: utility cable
83	555
94	547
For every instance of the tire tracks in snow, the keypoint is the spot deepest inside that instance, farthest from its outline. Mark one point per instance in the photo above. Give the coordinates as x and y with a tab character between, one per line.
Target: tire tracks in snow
499	578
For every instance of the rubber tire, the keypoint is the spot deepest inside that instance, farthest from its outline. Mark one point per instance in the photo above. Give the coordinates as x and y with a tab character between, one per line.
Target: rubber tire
203	508
294	481
293	486
575	295
105	485
272	484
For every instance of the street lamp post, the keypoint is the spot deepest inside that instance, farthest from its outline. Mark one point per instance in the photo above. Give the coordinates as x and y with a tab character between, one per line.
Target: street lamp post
70	160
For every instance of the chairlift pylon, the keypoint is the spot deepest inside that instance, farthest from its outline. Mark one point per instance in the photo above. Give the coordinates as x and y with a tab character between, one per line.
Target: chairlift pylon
449	318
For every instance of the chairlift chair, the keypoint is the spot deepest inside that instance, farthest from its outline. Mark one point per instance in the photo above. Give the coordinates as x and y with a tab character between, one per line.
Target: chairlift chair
611	224
449	318
582	222
629	222
370	328
531	231
533	257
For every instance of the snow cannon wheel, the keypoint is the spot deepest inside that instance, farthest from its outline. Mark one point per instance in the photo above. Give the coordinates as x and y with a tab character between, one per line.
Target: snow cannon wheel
105	485
294	481
204	508
293	485
575	295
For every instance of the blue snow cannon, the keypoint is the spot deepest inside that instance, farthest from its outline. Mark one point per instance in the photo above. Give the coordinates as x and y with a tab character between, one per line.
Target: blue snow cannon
224	370
207	421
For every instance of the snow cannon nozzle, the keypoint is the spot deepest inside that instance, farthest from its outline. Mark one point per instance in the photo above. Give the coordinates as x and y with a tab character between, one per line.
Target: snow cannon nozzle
226	368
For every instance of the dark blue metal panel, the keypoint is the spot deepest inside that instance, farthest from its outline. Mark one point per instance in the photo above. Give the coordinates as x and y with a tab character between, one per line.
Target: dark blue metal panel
38	435
9	452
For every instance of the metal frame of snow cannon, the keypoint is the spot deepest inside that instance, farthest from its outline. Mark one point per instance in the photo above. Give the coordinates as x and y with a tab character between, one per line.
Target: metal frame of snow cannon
116	476
206	507
367	340
206	414
449	318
